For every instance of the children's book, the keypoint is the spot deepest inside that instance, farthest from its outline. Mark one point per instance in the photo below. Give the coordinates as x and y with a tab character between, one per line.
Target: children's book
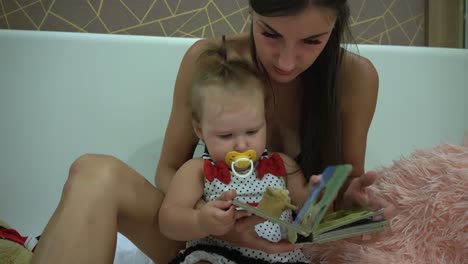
312	223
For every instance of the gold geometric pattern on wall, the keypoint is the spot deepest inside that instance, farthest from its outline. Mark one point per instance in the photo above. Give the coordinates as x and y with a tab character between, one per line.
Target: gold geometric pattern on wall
399	22
396	22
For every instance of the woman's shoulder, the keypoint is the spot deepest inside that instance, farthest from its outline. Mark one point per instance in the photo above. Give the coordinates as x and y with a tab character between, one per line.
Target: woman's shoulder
289	163
197	48
237	46
358	79
355	66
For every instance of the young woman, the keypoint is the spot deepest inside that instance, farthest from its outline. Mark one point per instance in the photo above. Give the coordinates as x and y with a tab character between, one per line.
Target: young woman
323	103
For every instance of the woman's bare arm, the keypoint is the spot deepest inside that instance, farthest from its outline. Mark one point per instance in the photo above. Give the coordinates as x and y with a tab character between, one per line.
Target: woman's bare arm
295	181
361	83
179	140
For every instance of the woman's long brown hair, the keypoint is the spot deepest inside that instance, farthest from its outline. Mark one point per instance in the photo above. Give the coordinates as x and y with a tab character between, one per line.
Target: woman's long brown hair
320	127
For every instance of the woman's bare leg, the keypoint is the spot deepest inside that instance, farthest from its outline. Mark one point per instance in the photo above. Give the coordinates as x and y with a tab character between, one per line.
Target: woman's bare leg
102	196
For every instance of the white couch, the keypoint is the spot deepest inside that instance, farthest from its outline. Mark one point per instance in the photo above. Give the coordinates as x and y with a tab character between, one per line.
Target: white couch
65	94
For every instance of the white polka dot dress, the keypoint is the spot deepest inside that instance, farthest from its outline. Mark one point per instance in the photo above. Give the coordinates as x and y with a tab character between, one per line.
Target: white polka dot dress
250	190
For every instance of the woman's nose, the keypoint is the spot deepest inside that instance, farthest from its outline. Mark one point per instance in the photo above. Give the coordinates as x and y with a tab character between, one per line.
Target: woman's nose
287	59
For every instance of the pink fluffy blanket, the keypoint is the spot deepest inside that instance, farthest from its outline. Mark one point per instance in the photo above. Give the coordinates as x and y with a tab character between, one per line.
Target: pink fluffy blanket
430	190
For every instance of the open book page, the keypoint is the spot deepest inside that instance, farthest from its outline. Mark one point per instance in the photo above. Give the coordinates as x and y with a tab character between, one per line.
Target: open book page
355	229
314	224
343	218
310	215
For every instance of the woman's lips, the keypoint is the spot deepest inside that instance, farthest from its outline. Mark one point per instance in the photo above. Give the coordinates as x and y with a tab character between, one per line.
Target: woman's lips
282	72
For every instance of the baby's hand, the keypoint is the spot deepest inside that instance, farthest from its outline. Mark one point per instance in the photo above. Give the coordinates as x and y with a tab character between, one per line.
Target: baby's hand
219	216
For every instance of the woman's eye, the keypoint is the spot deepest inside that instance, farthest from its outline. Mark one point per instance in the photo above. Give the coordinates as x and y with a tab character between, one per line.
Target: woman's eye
312	41
270	35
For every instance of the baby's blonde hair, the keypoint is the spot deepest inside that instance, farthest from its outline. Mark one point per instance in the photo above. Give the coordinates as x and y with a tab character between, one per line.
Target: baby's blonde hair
219	72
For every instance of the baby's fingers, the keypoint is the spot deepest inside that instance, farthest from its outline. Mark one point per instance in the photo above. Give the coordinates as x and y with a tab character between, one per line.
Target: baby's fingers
228	196
228	216
223	205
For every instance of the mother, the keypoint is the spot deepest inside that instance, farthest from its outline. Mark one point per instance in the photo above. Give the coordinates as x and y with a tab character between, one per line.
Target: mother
322	103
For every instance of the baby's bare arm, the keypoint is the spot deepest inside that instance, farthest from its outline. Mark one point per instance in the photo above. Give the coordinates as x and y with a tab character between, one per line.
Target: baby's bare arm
178	218
183	217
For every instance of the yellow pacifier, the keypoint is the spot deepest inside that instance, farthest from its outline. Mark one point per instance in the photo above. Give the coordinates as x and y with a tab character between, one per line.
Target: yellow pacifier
241	161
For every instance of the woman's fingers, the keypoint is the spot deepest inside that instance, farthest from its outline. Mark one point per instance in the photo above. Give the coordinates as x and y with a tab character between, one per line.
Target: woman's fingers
248	222
244	234
377	203
238	214
272	247
248	237
367	179
246	226
314	181
357	193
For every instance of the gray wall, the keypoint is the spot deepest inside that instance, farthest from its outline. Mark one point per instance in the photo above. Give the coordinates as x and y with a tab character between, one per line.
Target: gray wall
393	22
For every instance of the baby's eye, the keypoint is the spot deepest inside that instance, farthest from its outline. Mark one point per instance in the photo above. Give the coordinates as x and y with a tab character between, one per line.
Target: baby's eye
270	35
252	132
225	136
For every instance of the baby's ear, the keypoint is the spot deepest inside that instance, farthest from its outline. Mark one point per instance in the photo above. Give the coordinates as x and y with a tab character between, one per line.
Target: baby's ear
197	129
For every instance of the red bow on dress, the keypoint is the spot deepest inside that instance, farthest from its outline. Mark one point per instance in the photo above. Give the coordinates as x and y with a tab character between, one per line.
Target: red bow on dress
219	171
273	165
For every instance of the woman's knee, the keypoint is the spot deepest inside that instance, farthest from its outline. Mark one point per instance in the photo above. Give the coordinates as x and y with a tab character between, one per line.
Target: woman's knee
94	171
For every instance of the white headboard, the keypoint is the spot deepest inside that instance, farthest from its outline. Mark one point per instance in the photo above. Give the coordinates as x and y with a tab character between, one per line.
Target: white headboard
66	94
